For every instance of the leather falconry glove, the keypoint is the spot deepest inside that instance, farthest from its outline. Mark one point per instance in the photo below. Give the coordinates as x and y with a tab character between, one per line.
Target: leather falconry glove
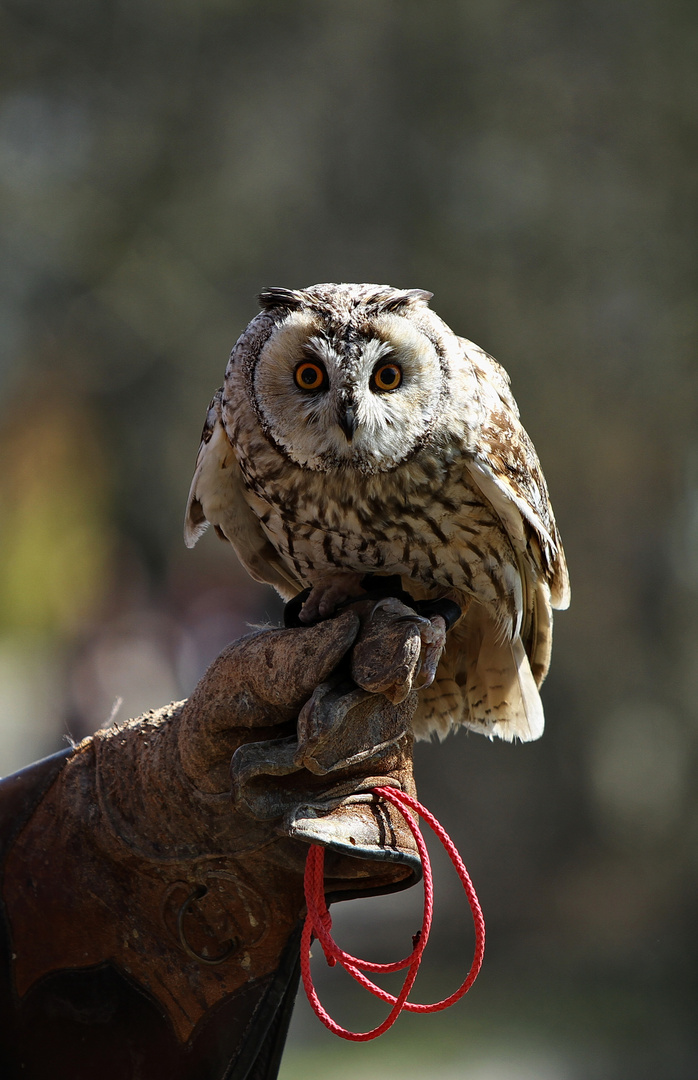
152	906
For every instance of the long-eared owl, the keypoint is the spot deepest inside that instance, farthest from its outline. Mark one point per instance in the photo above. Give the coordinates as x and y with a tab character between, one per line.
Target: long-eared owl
356	434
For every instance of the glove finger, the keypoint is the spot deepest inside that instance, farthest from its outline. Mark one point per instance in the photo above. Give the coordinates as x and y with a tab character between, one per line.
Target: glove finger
282	667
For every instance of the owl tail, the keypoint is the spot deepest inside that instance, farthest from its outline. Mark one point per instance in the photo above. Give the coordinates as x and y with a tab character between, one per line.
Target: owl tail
500	692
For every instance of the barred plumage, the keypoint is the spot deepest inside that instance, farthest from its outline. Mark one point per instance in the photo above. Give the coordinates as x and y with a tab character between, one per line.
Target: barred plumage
354	434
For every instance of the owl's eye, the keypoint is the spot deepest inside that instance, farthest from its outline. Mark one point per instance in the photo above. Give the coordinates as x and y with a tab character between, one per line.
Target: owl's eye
310	376
387	377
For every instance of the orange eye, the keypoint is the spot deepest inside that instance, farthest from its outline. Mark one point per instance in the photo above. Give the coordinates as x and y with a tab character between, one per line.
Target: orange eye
388	377
310	376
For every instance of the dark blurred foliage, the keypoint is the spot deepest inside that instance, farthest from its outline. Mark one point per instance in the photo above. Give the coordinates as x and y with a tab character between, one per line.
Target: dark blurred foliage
534	164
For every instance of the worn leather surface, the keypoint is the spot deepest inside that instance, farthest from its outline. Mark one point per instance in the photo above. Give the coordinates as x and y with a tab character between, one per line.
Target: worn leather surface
152	878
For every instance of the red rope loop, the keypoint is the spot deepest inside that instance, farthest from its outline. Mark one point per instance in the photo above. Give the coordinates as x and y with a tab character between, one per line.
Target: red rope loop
319	923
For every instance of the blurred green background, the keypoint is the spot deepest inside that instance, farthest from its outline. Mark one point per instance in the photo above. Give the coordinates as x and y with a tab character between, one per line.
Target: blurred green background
534	164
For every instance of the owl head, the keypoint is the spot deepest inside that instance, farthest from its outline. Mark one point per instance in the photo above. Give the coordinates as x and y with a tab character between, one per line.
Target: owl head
343	376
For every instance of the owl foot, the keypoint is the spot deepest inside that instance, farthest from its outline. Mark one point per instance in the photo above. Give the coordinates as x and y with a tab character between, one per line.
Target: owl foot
332	589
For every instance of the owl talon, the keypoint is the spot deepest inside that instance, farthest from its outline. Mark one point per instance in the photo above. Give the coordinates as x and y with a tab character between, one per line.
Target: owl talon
327	595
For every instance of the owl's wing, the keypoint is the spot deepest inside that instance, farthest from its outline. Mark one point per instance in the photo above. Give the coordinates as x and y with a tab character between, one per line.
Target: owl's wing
217	497
494	676
483	682
505	467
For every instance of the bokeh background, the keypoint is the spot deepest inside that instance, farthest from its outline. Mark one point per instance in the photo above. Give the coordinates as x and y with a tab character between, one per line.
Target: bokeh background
534	163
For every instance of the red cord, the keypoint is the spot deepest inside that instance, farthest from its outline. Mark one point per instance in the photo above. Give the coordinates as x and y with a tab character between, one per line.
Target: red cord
319	923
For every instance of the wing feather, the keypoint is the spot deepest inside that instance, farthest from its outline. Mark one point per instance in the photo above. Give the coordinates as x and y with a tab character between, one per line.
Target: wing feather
505	467
217	497
501	696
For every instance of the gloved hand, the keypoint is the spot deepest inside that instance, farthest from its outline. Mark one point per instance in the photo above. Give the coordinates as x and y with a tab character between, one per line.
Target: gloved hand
153	919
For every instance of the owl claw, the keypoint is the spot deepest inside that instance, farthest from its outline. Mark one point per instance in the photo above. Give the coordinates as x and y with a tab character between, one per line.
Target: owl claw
326	595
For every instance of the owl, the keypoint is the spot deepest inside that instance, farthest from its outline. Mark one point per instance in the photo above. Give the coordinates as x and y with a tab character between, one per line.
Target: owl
356	434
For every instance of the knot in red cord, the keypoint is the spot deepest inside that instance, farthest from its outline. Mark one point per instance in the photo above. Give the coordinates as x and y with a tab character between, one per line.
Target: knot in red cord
319	923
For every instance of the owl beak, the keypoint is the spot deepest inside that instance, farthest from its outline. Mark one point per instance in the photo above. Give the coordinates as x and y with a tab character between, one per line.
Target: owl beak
347	422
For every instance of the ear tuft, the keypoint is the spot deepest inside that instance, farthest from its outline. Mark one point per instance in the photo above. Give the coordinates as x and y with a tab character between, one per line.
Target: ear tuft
394	299
277	297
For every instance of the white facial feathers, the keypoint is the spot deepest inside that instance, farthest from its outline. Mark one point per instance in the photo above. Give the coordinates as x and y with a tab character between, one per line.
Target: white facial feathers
386	372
